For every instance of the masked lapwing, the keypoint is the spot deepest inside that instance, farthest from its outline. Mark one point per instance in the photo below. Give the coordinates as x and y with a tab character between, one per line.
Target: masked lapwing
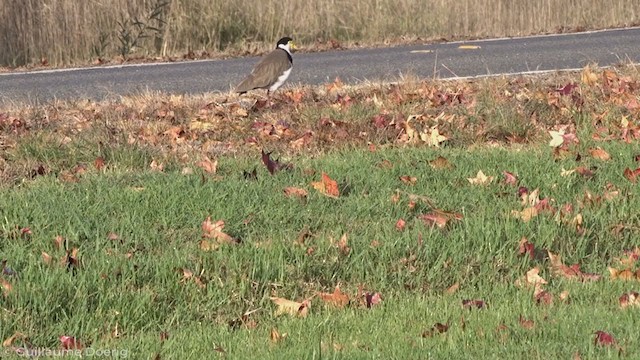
272	71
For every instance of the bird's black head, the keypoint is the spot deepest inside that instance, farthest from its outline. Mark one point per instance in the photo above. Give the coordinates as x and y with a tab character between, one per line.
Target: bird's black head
284	41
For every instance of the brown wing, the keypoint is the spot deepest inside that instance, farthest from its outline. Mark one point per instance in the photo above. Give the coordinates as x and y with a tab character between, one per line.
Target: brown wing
266	72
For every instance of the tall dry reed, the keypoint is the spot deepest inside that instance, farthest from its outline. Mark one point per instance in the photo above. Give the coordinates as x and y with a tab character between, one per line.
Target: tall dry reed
72	31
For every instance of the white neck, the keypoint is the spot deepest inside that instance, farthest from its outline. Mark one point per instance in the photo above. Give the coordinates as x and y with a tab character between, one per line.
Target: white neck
285	47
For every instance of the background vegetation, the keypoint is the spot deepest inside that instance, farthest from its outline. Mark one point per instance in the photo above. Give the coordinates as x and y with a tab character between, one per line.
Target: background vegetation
59	32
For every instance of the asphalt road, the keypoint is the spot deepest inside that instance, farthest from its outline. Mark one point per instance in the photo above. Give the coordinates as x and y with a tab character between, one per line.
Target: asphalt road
496	56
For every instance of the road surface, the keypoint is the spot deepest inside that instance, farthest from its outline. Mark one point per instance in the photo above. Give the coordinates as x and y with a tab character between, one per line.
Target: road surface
447	60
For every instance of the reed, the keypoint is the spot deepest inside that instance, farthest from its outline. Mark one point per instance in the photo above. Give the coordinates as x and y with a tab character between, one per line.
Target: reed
62	32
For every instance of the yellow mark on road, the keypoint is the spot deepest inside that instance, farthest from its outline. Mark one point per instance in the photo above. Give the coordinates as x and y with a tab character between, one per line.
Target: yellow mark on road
421	51
468	47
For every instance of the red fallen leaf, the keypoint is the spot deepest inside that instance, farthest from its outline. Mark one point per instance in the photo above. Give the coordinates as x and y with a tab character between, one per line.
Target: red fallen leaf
25	232
604	339
98	163
372	299
70	343
273	166
567	89
509	178
469	304
526	247
631	175
380	121
327	186
400	224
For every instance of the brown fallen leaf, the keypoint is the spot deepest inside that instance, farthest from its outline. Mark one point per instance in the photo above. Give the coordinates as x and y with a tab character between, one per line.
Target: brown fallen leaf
441	163
439	218
289	307
452	289
569	272
6	287
337	298
209	166
214	231
276	337
631	175
630	299
11	339
206	245
437	328
470	304
526	323
295	191
525	247
46	258
327	186
624	274
343	245
598	153
70	343
409	180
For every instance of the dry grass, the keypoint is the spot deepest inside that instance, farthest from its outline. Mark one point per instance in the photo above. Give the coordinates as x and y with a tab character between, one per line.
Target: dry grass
179	130
60	32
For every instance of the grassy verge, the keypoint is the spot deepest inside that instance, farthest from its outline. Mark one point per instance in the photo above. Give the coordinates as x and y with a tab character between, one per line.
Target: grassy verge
58	33
110	234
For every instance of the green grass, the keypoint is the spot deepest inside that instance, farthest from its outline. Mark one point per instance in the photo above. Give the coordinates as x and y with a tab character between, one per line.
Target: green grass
157	217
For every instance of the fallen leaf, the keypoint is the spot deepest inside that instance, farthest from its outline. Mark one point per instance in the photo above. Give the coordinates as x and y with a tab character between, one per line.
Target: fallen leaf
625	274
372	299
209	166
525	215
557	138
526	323
453	288
542	296
6	287
46	258
214	231
525	247
342	245
470	304
598	153
569	272
294	191
629	299
98	163
509	178
400	224
564	296
440	163
409	180
327	186
70	343
480	179
156	166
437	328
439	218
532	278
294	308
337	298
631	175
604	339
273	166
10	340
206	245
276	336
